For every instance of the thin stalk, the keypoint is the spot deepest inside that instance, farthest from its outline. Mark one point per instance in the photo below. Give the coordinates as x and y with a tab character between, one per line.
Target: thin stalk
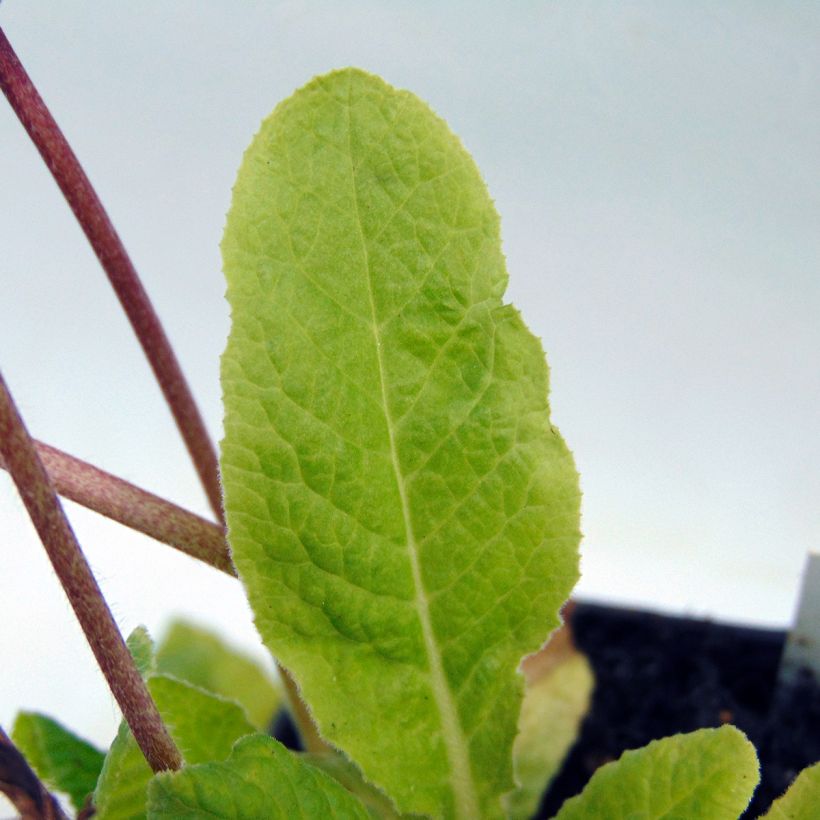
135	508
84	595
19	783
154	516
84	202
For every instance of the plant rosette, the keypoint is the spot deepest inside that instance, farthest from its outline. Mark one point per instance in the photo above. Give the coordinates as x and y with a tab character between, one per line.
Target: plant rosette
400	510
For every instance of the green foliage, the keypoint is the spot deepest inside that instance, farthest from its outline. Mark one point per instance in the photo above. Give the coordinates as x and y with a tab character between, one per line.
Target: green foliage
342	770
401	512
710	773
551	714
62	760
204	727
141	646
260	779
801	801
200	657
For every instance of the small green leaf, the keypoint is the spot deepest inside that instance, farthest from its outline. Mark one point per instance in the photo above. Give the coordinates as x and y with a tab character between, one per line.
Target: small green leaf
802	799
260	779
204	726
710	773
141	646
200	657
63	761
400	510
120	792
550	717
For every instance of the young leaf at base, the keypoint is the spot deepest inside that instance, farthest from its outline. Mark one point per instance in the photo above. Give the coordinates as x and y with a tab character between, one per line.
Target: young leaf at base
198	656
63	761
260	779
711	773
551	714
141	646
204	726
400	510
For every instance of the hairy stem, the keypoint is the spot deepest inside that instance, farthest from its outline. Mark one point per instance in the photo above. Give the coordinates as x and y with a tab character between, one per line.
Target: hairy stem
19	783
117	499
84	202
135	508
69	562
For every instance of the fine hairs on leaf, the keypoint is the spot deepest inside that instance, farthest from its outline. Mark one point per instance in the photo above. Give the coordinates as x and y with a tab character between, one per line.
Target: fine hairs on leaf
400	510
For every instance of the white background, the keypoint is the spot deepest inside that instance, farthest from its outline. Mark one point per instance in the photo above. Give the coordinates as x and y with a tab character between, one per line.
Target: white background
655	167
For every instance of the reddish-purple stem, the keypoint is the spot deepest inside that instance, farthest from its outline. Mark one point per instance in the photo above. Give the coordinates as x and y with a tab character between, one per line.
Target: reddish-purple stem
76	187
140	510
69	562
84	202
19	783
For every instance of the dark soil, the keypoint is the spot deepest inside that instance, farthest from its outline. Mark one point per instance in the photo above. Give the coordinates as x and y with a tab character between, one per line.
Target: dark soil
658	675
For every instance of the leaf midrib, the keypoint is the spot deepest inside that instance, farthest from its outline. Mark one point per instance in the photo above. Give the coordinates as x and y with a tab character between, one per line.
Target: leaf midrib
464	792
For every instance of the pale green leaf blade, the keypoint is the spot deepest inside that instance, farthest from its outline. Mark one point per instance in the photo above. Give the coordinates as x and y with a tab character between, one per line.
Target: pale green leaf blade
120	792
63	761
198	656
402	514
710	773
260	779
801	800
141	646
204	727
344	771
551	715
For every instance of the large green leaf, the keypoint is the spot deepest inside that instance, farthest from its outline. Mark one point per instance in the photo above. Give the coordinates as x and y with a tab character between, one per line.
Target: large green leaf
709	774
261	779
203	725
198	656
801	801
62	760
402	514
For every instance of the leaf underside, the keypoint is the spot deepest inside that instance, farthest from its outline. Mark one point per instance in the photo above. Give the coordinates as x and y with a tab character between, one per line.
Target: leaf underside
401	512
548	726
259	779
710	773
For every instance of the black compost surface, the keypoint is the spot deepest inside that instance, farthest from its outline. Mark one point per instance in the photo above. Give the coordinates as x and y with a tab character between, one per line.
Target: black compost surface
658	675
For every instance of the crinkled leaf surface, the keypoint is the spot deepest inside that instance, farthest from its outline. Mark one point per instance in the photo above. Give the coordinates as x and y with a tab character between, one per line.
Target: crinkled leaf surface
204	727
551	715
198	656
62	760
710	773
261	779
402	514
802	799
